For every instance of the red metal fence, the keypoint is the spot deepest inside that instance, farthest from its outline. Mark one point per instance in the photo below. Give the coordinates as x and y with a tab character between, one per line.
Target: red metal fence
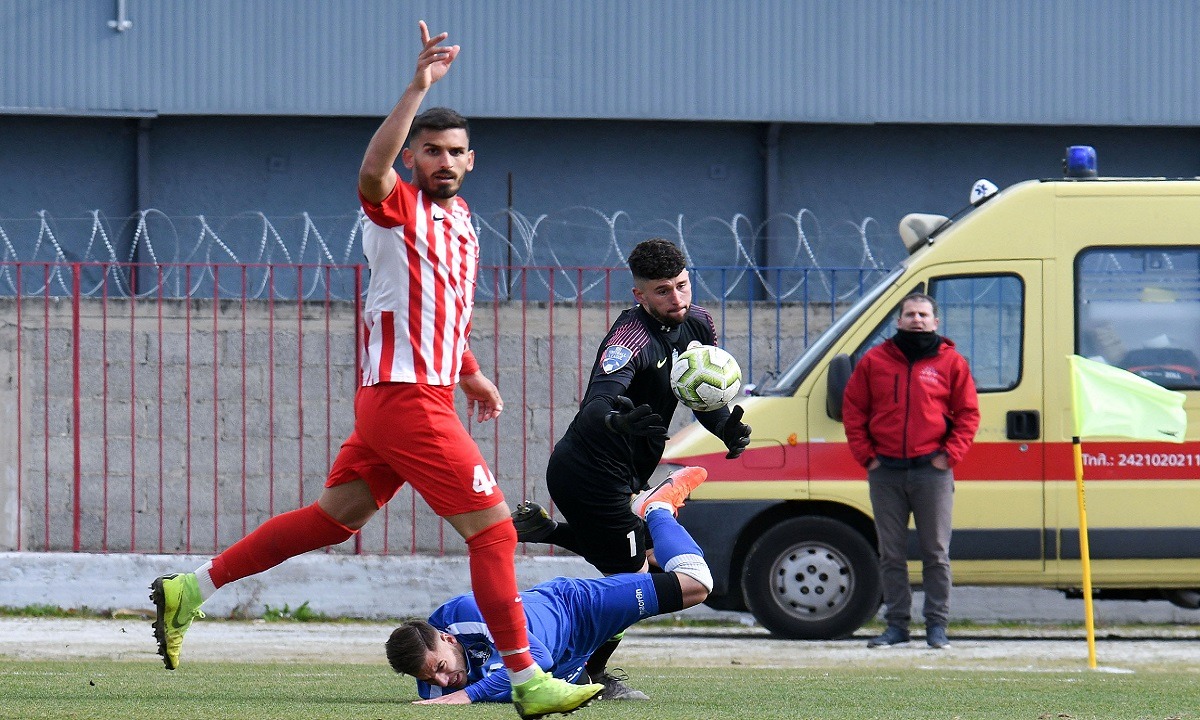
173	408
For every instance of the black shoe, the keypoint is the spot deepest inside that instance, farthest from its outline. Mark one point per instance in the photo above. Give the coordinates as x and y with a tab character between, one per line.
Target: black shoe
616	689
935	636
533	523
893	635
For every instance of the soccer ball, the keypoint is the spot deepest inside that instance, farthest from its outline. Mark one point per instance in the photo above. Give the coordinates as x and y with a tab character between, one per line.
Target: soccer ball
705	378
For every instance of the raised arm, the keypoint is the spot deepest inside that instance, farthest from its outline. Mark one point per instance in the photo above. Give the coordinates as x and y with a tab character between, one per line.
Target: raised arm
377	176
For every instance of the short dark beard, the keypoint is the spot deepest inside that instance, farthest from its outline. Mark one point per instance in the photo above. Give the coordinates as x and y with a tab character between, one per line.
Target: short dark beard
665	322
432	189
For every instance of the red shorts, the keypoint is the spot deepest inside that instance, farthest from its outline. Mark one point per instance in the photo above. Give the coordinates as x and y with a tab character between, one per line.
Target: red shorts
407	432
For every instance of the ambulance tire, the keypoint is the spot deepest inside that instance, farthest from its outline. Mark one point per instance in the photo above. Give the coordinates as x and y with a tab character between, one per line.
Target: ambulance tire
1186	599
812	578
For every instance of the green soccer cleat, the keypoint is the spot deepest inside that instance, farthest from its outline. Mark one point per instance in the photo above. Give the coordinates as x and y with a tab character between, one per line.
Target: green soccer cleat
545	695
177	600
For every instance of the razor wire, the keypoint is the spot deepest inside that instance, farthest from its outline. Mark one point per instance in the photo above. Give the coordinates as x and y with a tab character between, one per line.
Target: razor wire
153	253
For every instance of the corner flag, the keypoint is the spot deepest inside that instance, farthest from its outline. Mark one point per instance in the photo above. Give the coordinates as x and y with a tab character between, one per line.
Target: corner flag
1109	401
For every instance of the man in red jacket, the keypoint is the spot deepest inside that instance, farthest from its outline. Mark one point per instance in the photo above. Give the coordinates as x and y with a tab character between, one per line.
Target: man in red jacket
911	413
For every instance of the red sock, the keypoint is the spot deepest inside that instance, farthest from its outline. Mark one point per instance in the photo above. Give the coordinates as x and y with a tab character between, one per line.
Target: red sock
282	537
494	581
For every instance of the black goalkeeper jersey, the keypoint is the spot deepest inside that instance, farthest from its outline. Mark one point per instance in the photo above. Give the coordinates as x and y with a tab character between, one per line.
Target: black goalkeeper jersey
634	360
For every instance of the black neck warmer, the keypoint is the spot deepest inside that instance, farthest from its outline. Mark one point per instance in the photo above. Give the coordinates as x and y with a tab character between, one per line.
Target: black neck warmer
917	345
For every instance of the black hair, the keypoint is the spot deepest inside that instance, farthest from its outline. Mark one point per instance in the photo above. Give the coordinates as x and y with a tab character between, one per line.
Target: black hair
409	645
656	259
437	119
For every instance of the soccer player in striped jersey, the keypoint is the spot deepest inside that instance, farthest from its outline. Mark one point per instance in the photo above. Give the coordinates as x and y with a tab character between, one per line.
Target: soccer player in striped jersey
423	253
454	659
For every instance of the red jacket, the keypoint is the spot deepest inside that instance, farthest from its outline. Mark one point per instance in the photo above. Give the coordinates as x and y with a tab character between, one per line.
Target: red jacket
899	411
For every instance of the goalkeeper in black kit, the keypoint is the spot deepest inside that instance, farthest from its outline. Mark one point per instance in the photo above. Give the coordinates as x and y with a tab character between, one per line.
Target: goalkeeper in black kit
616	440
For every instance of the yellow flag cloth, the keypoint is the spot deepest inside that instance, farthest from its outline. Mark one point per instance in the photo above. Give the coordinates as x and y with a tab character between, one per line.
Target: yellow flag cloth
1109	401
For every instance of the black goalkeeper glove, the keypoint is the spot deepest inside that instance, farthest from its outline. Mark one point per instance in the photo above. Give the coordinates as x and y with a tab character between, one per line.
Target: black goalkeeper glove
734	433
626	419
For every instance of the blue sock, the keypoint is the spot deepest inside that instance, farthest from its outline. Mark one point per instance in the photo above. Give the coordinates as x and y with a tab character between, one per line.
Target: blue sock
670	539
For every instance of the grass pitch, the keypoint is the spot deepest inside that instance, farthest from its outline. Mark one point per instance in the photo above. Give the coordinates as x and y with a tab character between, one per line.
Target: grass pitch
115	690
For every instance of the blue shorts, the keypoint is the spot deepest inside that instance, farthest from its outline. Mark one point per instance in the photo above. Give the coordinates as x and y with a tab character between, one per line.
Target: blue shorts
580	614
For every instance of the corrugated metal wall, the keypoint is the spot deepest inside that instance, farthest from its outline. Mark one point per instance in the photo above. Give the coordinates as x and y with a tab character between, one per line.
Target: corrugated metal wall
1066	62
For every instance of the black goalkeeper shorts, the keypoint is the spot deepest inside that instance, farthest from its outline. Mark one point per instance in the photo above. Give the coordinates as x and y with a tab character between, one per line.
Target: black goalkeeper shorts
596	506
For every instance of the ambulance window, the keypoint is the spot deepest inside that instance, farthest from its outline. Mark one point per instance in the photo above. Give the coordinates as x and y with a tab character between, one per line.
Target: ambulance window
882	331
1140	310
983	315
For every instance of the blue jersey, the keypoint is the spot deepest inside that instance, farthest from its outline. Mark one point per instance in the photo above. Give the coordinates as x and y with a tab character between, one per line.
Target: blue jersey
567	618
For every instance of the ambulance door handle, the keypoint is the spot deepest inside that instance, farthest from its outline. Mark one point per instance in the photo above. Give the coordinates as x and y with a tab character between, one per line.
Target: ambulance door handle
1023	425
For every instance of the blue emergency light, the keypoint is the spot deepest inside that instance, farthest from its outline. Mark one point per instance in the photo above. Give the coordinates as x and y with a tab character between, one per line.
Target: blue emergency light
1080	162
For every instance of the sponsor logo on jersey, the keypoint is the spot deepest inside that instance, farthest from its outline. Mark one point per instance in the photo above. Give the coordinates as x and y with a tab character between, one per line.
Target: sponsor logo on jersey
479	651
615	357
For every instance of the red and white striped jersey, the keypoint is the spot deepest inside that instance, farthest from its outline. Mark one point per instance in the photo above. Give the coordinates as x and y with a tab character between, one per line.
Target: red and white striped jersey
423	262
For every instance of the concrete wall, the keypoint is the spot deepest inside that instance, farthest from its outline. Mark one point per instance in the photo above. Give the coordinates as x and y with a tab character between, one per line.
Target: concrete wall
172	419
393	587
10	440
383	586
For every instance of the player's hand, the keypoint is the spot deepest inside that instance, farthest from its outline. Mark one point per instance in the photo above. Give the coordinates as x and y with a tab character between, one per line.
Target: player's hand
734	433
458	697
483	399
626	419
434	61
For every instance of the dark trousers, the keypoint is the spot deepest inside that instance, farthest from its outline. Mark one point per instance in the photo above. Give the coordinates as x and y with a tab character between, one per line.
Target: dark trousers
927	494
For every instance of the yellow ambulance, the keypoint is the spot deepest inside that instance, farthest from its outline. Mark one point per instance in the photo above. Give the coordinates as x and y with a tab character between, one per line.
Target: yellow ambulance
1106	268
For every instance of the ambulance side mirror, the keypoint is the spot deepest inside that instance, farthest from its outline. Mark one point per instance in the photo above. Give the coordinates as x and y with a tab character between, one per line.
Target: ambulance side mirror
839	375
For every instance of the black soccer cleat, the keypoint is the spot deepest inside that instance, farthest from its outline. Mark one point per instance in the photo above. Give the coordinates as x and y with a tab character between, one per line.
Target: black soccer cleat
615	687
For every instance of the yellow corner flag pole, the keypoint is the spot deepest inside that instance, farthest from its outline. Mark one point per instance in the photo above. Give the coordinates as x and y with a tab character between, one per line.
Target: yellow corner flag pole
1089	619
1085	555
1109	401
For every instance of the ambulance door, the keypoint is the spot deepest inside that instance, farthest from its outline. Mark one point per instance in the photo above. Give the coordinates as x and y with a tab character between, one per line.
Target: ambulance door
993	313
994	317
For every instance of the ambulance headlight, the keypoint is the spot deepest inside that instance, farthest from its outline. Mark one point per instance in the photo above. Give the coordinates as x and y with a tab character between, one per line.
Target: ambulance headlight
1080	162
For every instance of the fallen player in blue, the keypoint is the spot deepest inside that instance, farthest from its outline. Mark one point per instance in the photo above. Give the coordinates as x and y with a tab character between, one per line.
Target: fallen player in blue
454	660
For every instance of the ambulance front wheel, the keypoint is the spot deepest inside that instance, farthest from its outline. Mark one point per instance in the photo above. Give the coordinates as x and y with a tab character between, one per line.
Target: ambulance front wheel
812	578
